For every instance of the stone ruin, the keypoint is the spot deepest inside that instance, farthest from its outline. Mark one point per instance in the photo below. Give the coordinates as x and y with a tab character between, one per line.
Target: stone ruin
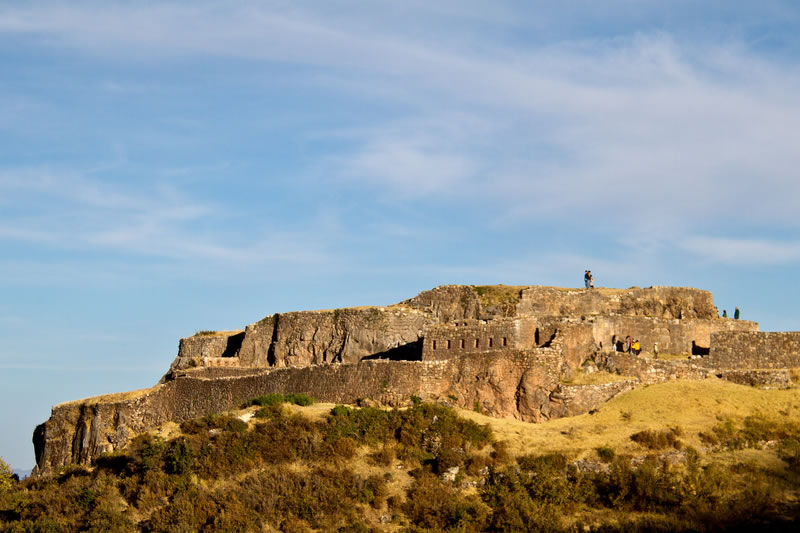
508	351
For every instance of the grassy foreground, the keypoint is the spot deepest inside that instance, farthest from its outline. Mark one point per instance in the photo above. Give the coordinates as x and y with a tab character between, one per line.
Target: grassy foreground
681	456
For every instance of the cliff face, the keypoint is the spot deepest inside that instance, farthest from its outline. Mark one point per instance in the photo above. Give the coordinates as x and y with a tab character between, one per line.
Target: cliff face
502	349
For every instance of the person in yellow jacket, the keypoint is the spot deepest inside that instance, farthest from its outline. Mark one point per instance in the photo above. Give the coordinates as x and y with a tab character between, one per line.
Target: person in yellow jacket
636	348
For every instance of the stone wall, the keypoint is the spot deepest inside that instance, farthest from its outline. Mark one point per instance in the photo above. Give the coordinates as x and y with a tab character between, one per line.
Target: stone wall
673	336
445	341
754	350
663	302
766	379
650	371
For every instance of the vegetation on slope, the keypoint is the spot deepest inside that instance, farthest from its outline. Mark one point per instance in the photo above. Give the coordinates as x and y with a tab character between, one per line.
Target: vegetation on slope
284	467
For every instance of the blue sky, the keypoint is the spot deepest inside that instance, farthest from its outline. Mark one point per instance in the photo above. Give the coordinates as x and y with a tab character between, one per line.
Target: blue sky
167	167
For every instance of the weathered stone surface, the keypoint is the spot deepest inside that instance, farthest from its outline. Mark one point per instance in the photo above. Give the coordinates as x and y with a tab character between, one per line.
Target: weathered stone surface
533	396
447	303
662	302
571	400
767	379
649	370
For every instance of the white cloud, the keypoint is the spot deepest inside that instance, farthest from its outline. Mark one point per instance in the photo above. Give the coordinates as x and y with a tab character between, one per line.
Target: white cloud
649	133
71	212
743	251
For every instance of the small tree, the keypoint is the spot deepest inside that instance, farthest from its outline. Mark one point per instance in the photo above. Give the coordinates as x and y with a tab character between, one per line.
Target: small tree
5	476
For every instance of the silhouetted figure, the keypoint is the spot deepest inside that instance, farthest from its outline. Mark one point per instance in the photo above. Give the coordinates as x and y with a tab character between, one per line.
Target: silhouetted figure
724	313
736	314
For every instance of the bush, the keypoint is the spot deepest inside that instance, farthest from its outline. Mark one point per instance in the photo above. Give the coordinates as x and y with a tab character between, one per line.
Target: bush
274	398
270	411
224	422
299	398
383	456
6	481
434	505
178	458
605	453
657	440
341	411
345	448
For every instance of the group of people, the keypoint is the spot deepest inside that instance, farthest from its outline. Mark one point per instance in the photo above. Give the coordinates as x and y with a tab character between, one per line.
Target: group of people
588	280
630	346
735	314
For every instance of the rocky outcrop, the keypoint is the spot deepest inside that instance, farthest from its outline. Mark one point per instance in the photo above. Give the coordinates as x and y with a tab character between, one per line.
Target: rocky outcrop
571	400
311	337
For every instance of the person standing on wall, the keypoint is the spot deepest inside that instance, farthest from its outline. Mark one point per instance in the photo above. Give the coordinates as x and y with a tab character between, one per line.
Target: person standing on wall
586	278
736	314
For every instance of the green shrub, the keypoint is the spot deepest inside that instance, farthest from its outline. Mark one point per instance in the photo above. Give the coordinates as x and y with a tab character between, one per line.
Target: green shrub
224	422
341	411
345	448
547	478
432	504
657	440
270	411
178	458
605	453
265	399
299	398
512	507
6	480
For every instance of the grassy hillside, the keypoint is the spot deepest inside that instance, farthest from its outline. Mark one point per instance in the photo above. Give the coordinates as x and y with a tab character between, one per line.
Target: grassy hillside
702	456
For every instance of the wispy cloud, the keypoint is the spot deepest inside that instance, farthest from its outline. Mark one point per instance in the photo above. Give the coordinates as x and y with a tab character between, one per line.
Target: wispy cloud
744	251
662	131
72	212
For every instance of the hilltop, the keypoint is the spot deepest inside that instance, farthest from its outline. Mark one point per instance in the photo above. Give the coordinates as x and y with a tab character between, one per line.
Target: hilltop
530	353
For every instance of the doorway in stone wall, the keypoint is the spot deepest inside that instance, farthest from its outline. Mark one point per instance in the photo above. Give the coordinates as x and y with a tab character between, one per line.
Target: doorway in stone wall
700	350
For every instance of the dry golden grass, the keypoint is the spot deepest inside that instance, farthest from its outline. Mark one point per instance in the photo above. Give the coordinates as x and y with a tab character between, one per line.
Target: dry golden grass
498	294
694	406
224	333
110	398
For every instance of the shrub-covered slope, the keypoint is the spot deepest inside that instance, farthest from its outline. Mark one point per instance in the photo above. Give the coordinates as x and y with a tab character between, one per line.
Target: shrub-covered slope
276	466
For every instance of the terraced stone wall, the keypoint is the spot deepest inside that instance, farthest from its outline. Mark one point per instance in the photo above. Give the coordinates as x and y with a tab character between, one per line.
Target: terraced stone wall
754	350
